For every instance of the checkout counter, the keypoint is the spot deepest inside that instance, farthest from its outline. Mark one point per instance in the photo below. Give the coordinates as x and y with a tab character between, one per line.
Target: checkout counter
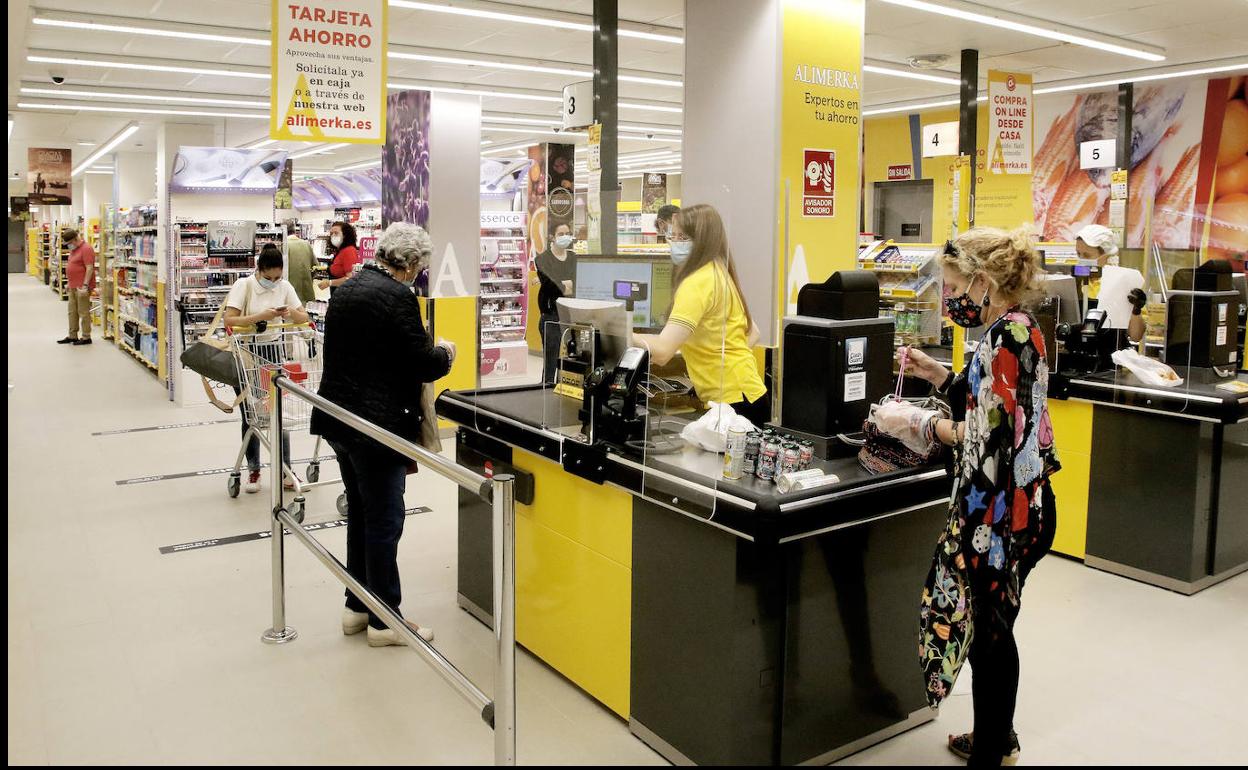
728	622
1154	480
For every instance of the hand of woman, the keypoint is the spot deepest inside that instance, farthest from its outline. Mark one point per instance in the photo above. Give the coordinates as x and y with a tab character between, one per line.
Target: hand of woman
907	422
322	284
923	366
449	347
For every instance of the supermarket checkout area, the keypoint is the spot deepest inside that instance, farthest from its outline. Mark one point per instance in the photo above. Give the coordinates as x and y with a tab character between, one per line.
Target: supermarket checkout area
1154	480
728	621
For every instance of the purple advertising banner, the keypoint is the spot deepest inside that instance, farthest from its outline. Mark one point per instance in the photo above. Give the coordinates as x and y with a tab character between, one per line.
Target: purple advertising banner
405	159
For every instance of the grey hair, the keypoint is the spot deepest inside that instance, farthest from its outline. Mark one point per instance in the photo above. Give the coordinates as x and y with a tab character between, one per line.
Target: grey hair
403	245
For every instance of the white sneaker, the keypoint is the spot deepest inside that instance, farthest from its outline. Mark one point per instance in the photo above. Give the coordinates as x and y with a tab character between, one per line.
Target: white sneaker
252	484
353	622
385	637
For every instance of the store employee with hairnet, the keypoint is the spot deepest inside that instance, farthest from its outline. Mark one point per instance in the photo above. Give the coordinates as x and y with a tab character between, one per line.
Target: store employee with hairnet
1097	242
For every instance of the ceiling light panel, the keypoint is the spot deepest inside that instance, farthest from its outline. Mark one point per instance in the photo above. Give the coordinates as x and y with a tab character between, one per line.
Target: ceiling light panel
137	95
148	27
982	14
137	110
107	61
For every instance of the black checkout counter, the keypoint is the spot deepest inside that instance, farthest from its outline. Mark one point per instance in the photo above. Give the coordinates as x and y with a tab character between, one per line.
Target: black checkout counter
1168	498
766	628
746	626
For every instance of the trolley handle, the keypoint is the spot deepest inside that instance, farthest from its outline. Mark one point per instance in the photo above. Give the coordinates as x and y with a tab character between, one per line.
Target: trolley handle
254	328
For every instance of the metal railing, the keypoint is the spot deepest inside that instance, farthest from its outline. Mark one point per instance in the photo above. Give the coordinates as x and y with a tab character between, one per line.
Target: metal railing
500	713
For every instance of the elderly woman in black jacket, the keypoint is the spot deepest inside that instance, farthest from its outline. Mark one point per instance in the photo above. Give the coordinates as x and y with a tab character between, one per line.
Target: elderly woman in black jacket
377	354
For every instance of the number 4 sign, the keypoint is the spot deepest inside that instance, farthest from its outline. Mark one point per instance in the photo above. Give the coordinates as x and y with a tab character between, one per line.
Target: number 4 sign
940	139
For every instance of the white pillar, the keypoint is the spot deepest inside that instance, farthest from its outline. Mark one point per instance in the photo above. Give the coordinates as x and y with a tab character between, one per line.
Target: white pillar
455	194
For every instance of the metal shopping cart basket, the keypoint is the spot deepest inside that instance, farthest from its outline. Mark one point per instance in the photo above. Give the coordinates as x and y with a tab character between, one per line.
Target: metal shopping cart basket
297	351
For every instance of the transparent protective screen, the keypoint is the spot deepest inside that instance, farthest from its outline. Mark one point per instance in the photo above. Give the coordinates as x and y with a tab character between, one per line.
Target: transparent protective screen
571	353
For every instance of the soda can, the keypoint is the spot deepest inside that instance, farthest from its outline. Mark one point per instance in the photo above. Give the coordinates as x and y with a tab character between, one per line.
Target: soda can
753	441
734	453
785	482
792	457
768	457
807	449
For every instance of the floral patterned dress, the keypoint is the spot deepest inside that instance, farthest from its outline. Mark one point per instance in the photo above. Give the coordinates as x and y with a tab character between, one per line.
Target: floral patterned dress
996	529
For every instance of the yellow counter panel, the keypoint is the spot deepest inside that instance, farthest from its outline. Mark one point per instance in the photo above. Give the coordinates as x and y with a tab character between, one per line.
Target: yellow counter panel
574	579
1072	432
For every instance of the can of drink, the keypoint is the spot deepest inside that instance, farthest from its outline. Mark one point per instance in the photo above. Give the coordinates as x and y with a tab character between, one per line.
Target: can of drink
792	457
785	481
768	458
814	482
807	449
753	441
734	453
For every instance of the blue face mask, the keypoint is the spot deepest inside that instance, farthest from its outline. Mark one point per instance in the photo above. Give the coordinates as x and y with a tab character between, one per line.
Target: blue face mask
266	284
681	251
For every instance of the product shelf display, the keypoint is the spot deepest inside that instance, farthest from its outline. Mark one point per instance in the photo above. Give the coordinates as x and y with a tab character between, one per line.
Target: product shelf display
504	293
910	288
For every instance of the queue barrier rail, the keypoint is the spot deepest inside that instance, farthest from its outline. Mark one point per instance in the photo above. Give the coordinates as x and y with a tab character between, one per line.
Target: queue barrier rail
499	713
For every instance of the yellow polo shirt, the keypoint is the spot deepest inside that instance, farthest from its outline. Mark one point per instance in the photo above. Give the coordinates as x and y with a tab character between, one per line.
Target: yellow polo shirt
717	353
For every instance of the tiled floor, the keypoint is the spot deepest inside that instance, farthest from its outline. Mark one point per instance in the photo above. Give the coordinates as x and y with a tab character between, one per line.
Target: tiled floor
118	654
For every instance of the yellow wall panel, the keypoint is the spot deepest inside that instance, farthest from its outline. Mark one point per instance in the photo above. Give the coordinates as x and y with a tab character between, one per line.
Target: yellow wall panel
1072	433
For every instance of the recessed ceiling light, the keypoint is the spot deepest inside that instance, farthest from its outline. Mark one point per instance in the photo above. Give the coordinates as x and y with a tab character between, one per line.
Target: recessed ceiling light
86	144
66	92
107	147
541	21
132	29
146	67
140	110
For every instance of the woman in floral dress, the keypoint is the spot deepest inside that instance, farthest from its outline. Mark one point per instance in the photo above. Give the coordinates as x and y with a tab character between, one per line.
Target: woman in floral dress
1001	513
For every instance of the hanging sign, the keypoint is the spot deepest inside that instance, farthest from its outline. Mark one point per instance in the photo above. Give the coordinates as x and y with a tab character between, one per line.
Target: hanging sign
329	72
940	139
1101	153
48	170
1010	123
653	192
900	173
593	196
578	104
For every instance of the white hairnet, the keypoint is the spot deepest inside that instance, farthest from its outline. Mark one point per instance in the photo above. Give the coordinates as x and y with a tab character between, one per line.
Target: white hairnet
1099	237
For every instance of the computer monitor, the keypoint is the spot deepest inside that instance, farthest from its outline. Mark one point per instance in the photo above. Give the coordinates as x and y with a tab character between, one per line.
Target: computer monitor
609	317
646	282
1064	290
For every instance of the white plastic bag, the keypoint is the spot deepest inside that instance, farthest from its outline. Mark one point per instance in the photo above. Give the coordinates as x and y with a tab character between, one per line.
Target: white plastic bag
1150	371
710	431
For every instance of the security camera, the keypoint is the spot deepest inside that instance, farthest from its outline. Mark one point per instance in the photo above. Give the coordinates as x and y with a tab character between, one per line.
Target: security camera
58	79
649	136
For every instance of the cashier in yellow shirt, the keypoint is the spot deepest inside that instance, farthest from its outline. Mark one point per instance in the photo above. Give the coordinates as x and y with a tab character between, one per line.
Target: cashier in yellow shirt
1098	242
710	323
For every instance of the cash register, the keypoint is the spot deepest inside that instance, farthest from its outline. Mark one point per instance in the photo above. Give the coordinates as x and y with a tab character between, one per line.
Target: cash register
838	359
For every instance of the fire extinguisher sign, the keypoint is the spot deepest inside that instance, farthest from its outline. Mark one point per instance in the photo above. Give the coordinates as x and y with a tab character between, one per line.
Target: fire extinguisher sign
819	183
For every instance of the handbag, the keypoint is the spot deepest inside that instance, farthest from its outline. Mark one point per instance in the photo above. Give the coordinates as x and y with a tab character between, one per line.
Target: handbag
882	453
213	360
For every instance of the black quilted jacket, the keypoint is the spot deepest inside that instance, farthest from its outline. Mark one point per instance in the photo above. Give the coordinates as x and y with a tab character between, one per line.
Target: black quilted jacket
377	354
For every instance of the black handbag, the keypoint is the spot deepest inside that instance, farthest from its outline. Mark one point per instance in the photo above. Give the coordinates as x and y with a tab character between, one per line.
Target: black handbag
213	360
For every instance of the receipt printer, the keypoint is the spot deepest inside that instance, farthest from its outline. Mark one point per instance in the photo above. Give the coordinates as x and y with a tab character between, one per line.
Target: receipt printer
838	355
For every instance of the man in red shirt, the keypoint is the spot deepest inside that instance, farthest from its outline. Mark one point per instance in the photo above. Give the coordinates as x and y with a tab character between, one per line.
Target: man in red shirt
80	274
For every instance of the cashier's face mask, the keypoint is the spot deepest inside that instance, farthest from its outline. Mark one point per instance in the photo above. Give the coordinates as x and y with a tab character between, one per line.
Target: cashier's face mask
963	310
681	251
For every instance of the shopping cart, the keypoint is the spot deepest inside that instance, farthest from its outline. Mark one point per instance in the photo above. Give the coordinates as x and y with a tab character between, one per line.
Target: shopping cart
295	350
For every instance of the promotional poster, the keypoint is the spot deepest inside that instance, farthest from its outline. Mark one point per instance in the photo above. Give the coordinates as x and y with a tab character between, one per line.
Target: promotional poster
405	159
48	173
329	72
226	169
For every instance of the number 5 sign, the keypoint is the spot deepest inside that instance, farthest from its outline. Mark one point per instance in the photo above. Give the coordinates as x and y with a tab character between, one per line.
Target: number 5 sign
1101	153
578	104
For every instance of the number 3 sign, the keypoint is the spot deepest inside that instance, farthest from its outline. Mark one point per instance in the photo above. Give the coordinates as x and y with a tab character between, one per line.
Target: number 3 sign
578	104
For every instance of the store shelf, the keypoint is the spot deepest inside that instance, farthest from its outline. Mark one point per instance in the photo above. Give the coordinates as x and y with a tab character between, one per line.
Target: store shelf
143	229
509	295
509	344
144	325
137	355
502	312
502	328
503	280
218	270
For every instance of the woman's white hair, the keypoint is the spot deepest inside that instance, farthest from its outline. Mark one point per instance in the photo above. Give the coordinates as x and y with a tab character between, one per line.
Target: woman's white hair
403	245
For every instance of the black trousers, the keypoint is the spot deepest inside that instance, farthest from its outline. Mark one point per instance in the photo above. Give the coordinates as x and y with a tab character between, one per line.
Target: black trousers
994	660
375	479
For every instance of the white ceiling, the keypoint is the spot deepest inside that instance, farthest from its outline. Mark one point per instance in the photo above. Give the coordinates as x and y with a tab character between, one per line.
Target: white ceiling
1191	31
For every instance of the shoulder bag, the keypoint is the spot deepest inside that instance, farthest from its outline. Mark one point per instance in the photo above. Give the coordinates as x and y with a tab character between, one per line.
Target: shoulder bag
213	360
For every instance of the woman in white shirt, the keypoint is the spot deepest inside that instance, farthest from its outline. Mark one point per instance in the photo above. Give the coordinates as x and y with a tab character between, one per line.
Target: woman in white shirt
259	299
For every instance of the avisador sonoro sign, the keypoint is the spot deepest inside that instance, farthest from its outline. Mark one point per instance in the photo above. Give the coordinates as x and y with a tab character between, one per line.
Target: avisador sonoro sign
329	71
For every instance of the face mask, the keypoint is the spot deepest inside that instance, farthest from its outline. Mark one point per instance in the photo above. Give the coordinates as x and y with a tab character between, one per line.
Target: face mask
681	251
964	312
336	240
563	241
265	283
